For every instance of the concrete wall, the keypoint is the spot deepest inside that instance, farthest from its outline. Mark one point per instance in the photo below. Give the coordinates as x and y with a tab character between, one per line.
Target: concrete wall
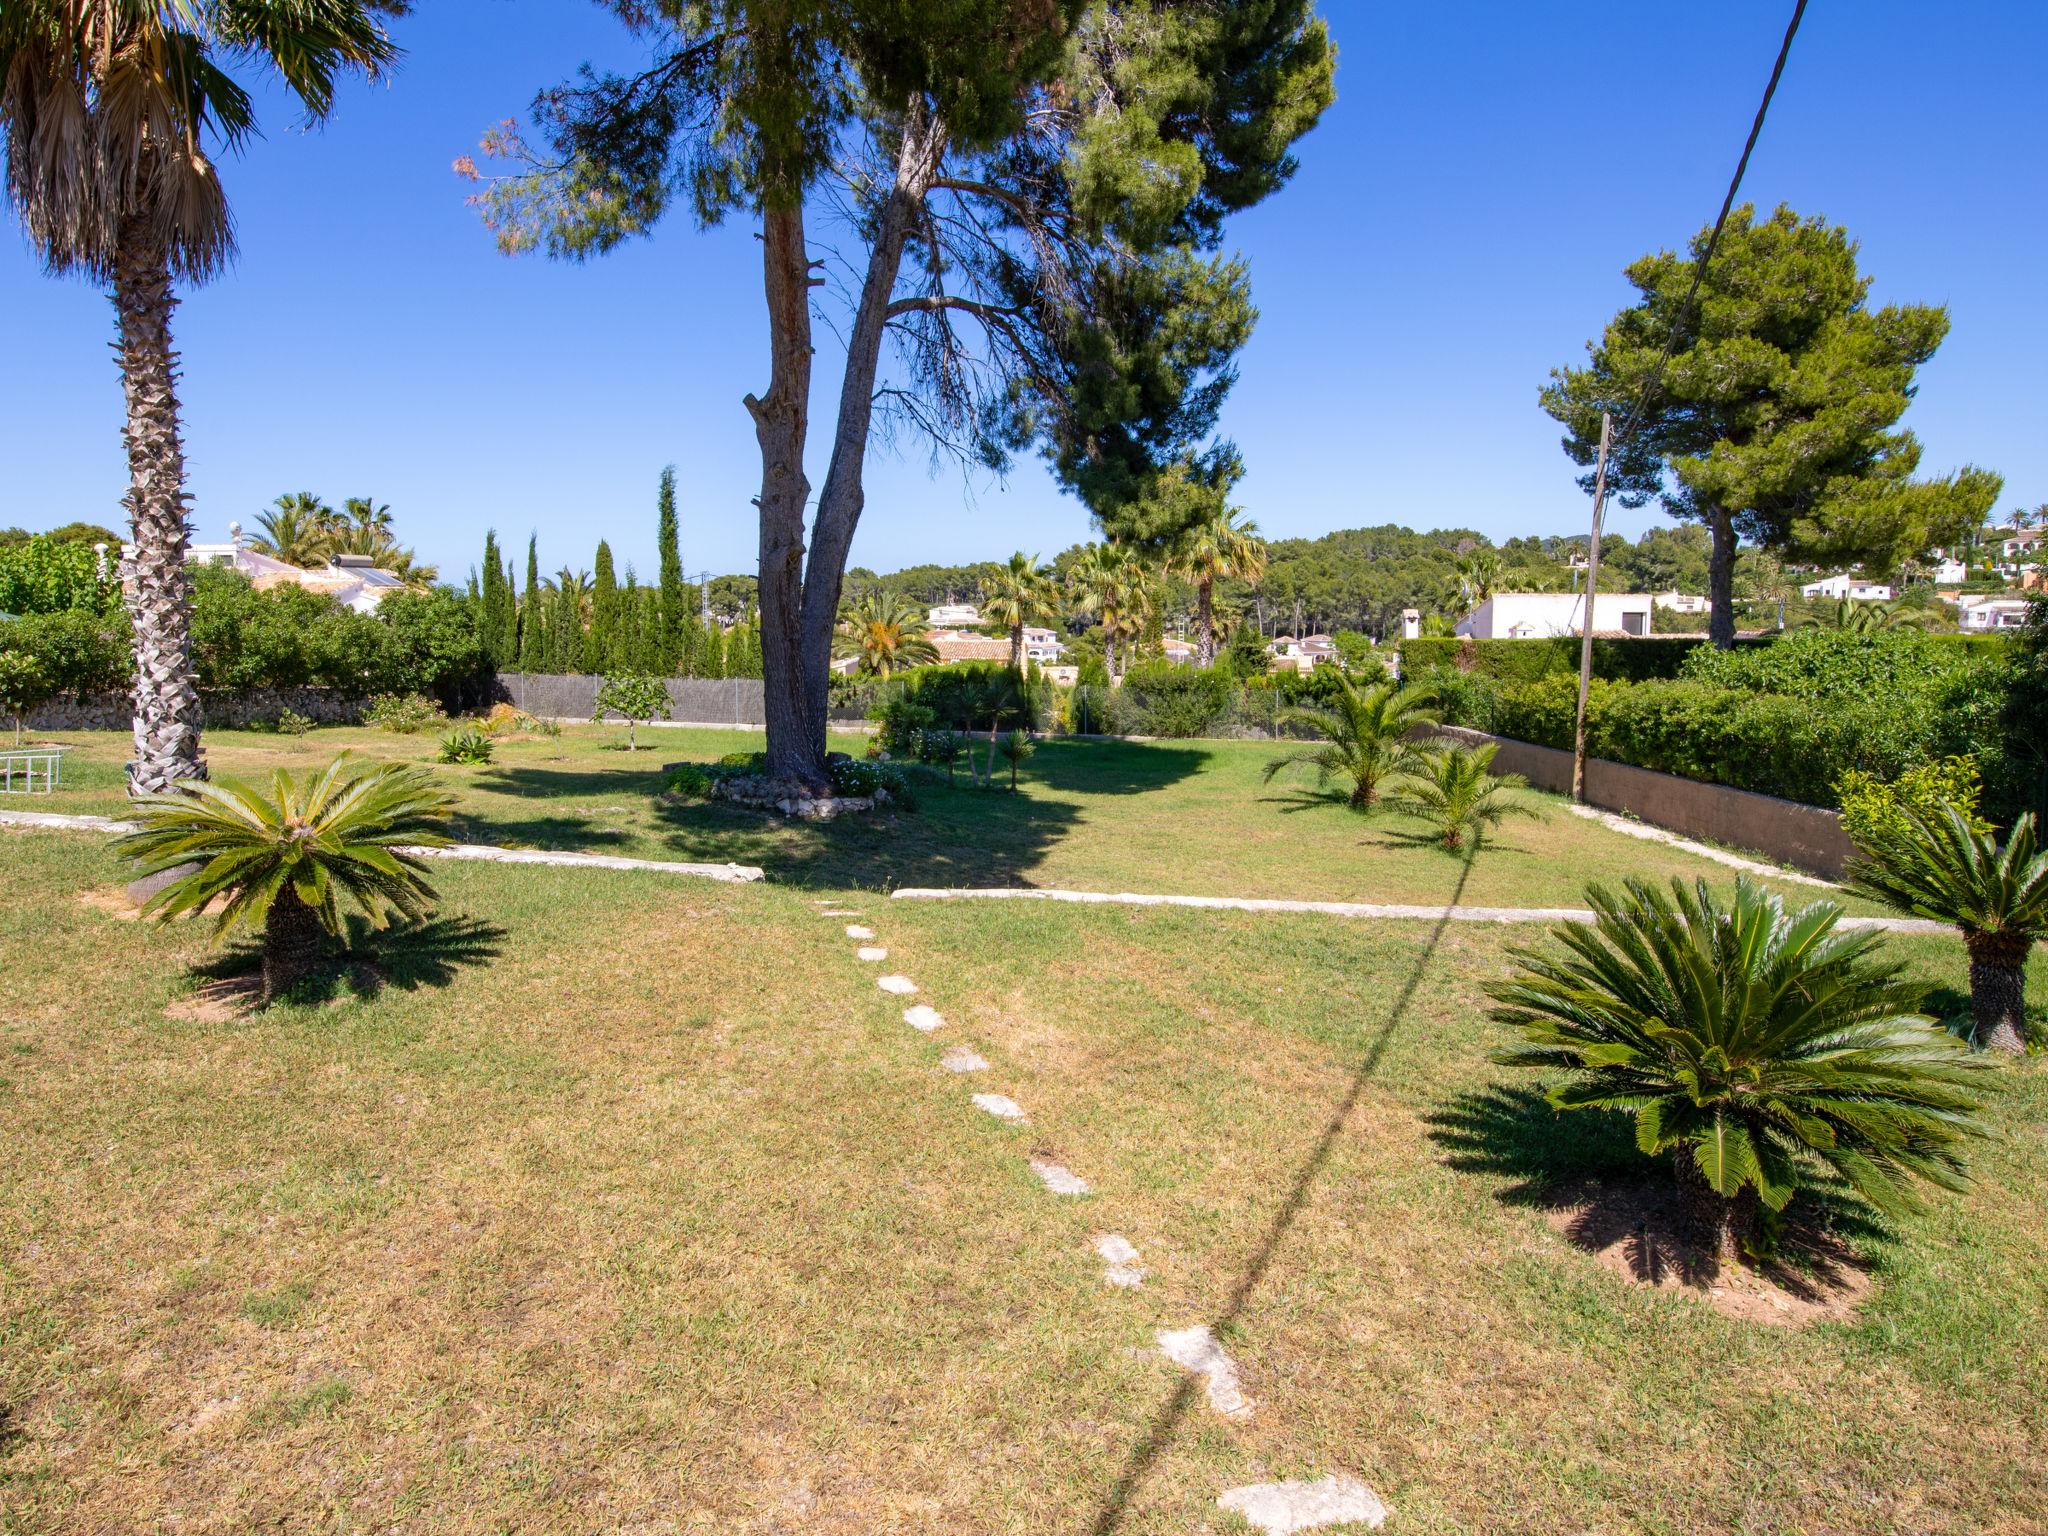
227	711
1803	836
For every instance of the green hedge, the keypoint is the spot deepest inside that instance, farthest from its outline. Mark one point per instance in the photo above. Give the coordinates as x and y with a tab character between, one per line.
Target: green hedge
1523	661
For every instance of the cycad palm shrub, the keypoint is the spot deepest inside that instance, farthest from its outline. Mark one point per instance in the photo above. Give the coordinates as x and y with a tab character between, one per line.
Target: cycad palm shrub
1016	747
1453	790
1755	1046
281	862
1365	735
1939	864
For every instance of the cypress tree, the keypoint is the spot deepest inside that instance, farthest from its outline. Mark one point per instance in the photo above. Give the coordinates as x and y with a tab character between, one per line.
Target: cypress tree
497	604
673	606
628	645
604	613
532	628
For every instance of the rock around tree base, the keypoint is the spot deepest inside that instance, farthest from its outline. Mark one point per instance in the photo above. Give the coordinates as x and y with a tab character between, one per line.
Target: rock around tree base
788	797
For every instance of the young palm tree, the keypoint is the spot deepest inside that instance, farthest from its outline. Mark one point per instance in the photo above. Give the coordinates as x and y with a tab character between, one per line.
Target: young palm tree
105	110
299	531
1365	735
1943	867
1455	793
1477	573
1016	748
1016	594
282	861
1751	1043
883	634
1218	547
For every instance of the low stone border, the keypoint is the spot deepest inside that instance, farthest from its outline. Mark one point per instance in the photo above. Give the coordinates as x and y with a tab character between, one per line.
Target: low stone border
1331	908
481	852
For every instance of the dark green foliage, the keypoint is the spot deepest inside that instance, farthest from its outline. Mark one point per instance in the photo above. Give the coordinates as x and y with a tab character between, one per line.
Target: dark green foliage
1832	665
1758	1046
43	575
499	619
532	623
23	687
974	696
1521	661
1177	701
465	744
434	644
74	651
601	645
677	610
687	781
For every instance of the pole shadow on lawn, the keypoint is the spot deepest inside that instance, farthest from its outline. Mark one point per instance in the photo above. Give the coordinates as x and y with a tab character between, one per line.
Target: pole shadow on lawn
957	835
1168	1422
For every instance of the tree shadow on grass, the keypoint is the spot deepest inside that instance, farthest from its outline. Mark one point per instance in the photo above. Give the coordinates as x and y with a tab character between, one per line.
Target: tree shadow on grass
536	781
1584	1172
366	960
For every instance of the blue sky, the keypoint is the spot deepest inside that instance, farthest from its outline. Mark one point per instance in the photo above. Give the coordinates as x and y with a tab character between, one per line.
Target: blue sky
1458	227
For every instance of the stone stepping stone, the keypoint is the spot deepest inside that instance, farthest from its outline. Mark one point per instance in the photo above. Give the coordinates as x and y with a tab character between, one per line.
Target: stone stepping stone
1121	1256
1058	1180
838	912
871	952
902	986
1302	1504
1002	1108
924	1017
961	1058
1195	1349
855	931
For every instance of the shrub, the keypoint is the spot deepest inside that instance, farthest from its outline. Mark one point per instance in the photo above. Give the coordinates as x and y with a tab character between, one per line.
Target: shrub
403	714
1177	701
23	687
505	717
1835	665
1524	661
78	653
465	744
902	725
1453	789
1750	1043
687	781
1365	739
635	697
46	575
282	861
742	762
290	722
1873	807
1016	748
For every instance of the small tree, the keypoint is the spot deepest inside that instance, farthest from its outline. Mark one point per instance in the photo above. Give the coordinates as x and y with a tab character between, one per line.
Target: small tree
1453	791
1016	748
24	686
1365	738
634	697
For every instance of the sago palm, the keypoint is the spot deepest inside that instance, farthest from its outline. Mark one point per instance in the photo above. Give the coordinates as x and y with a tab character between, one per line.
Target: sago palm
883	634
1365	735
1217	548
1754	1045
107	108
1016	594
1941	866
1454	789
281	862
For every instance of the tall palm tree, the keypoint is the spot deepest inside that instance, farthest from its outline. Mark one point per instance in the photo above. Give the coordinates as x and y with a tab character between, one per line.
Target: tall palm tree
1014	595
1111	581
299	531
1219	546
1365	735
106	110
1478	571
368	516
883	633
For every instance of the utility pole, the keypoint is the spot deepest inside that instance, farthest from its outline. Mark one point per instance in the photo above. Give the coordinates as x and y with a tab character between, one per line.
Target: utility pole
704	596
1586	616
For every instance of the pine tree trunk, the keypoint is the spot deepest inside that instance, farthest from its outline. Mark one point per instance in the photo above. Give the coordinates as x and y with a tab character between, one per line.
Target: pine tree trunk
1998	988
1205	623
167	713
291	944
1720	578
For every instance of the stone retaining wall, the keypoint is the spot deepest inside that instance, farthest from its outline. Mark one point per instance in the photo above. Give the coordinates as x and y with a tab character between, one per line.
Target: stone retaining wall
1803	836
227	711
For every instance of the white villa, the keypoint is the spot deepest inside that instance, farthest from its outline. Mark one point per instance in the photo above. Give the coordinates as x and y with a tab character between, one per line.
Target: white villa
354	581
951	614
1980	614
1855	588
1544	615
1042	645
1682	602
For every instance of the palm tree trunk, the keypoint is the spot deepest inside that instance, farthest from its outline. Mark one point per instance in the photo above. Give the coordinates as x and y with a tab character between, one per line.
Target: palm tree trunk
1998	986
167	712
1205	622
1715	1223
291	943
1017	646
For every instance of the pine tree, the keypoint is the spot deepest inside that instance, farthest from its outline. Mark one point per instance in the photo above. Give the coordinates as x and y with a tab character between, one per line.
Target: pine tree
532	625
674	599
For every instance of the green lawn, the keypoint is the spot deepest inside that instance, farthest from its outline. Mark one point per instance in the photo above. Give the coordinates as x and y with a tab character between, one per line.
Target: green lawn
1188	817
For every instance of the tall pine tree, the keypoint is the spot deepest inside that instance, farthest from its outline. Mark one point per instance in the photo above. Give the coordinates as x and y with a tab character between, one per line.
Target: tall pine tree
674	599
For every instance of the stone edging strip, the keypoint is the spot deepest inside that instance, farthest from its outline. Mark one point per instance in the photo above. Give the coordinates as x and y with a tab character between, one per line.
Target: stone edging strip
479	852
1330	908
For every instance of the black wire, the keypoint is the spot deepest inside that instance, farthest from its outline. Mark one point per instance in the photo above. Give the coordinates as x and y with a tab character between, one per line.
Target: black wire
1699	270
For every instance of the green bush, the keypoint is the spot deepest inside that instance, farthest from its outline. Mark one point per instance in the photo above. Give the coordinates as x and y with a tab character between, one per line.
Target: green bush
687	781
1833	664
966	695
51	576
465	745
1177	701
77	652
903	725
403	714
1524	661
1875	809
290	722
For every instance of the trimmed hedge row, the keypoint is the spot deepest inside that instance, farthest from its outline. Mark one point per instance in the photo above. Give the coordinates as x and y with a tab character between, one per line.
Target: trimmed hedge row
1630	660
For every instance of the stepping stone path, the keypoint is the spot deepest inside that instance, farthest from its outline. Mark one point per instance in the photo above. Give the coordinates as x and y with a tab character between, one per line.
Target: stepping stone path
1057	1179
1280	1509
839	912
923	1016
871	952
902	986
855	931
1122	1259
1002	1108
961	1058
1196	1349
